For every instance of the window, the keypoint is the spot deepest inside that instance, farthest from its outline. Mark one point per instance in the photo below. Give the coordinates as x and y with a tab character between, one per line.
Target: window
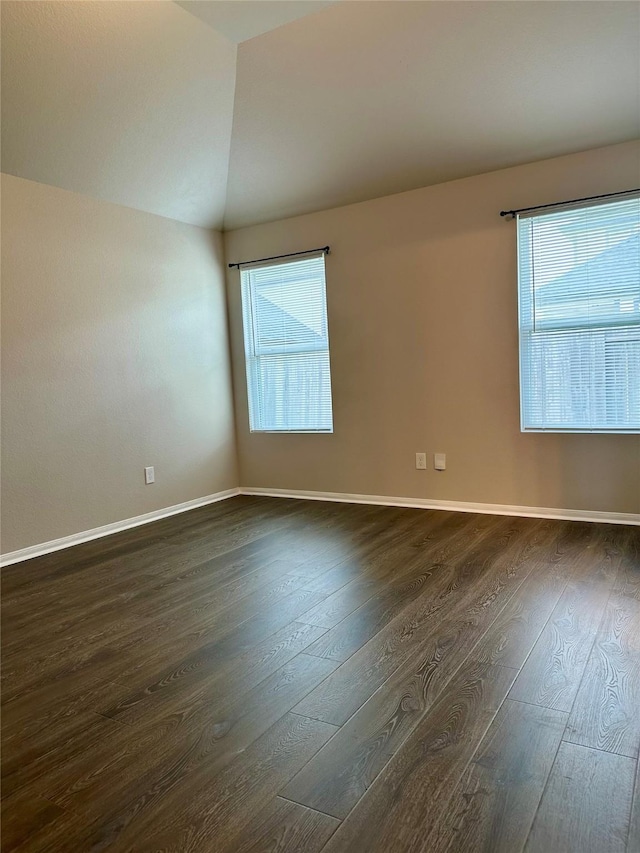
579	289
284	311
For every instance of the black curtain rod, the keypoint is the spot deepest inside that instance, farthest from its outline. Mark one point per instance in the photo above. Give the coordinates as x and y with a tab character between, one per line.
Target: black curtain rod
324	249
571	201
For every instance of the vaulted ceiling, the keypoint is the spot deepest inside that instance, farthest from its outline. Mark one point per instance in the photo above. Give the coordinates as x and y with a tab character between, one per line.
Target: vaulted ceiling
240	20
224	113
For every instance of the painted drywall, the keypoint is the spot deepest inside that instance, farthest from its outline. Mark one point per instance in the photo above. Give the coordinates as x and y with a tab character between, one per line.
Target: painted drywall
241	21
128	102
146	105
422	304
114	356
366	99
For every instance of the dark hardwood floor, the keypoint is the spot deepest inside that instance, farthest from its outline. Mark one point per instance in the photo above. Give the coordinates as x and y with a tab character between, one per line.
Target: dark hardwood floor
265	675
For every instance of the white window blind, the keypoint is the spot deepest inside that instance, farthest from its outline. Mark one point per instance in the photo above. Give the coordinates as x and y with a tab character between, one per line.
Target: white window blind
579	304
284	310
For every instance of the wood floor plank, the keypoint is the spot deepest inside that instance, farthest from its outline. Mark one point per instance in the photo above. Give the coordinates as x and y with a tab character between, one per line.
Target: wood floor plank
344	770
170	747
405	638
606	711
338	576
90	592
25	817
204	810
249	606
26	762
410	796
382	563
628	579
283	827
605	555
509	639
167	555
250	520
493	807
385	534
231	579
288	546
340	604
347	766
200	656
438	540
323	546
34	710
209	813
235	675
75	652
552	674
230	603
44	623
191	642
160	686
380	606
633	842
407	573
586	805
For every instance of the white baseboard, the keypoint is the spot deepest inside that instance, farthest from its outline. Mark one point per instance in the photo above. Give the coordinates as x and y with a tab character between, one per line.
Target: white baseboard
107	529
339	497
455	506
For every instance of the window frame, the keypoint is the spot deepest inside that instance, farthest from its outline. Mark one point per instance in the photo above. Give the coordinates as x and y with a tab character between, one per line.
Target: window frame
253	350
526	332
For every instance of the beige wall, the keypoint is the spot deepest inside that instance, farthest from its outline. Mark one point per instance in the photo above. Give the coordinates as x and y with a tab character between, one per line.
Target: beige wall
114	356
424	353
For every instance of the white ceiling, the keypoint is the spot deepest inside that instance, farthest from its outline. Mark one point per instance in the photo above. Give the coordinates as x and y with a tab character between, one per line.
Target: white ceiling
150	106
239	20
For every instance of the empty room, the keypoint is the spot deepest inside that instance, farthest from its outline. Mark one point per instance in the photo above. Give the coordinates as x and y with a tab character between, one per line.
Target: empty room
320	426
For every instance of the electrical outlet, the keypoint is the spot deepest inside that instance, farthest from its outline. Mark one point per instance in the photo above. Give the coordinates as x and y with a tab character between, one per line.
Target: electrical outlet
149	475
440	461
421	461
